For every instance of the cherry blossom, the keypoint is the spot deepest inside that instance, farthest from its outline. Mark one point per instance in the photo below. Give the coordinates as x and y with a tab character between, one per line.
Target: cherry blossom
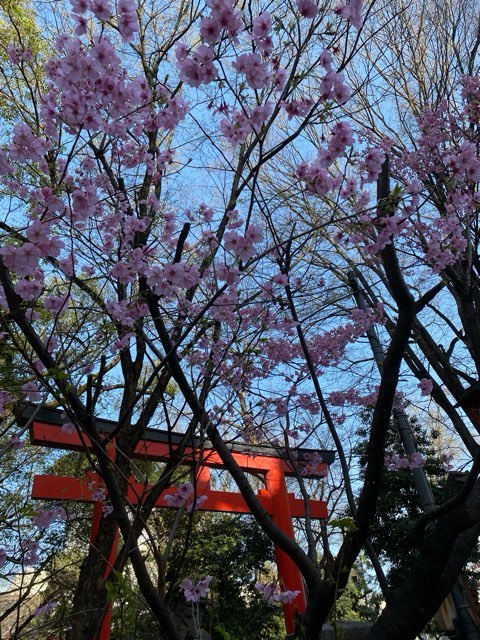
127	19
107	509
210	30
272	593
307	8
394	462
68	427
312	465
31	550
16	442
196	68
183	493
256	71
25	145
80	6
352	12
56	305
44	518
425	386
195	592
102	9
31	391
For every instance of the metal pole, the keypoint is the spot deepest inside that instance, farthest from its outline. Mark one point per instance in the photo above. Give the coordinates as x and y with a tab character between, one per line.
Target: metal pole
467	628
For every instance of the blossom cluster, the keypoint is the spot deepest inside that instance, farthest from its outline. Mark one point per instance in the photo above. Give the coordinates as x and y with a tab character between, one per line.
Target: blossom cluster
195	592
273	593
43	518
313	465
395	462
185	495
126	15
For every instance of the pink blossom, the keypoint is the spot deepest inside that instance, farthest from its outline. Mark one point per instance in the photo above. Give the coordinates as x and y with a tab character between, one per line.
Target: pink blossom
99	494
80	30
30	555
281	279
102	9
174	500
426	386
66	265
352	12
14	53
31	390
465	163
194	593
262	25
184	492
267	590
242	247
318	181
5	166
286	597
85	201
272	593
197	503
25	145
230	275
326	60
68	427
16	442
37	231
447	461
210	30
372	162
307	8
254	233
56	305
333	87
280	79
314	465
80	6
29	289
395	462
127	19
45	608
297	108
107	509
256	72
342	137
229	19
44	518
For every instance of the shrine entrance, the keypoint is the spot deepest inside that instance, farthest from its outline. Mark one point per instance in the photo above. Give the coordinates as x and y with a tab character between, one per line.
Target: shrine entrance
271	463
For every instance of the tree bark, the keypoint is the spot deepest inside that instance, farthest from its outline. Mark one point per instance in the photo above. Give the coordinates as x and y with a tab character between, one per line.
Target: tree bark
442	554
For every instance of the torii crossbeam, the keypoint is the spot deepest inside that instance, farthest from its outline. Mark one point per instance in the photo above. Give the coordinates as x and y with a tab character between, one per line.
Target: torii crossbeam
273	464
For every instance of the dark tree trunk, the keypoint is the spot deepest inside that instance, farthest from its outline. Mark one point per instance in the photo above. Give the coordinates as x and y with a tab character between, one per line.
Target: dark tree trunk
90	597
442	555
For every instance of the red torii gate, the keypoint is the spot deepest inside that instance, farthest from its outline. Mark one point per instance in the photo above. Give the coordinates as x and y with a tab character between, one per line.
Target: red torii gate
272	463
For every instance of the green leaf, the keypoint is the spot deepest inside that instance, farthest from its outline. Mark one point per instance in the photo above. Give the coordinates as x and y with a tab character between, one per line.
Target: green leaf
220	629
344	523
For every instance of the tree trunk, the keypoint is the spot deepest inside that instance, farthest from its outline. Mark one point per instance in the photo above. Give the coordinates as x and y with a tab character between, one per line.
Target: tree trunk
90	597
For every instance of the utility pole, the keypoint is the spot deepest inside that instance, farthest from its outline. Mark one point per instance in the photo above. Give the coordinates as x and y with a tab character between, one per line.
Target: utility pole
465	626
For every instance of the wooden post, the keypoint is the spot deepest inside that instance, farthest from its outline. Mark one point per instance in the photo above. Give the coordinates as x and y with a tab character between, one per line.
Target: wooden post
288	572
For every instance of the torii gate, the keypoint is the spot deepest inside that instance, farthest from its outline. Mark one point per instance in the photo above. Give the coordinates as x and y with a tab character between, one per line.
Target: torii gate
270	462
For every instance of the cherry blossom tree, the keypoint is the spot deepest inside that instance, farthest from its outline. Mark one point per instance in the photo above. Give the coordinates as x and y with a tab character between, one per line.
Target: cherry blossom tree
172	188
